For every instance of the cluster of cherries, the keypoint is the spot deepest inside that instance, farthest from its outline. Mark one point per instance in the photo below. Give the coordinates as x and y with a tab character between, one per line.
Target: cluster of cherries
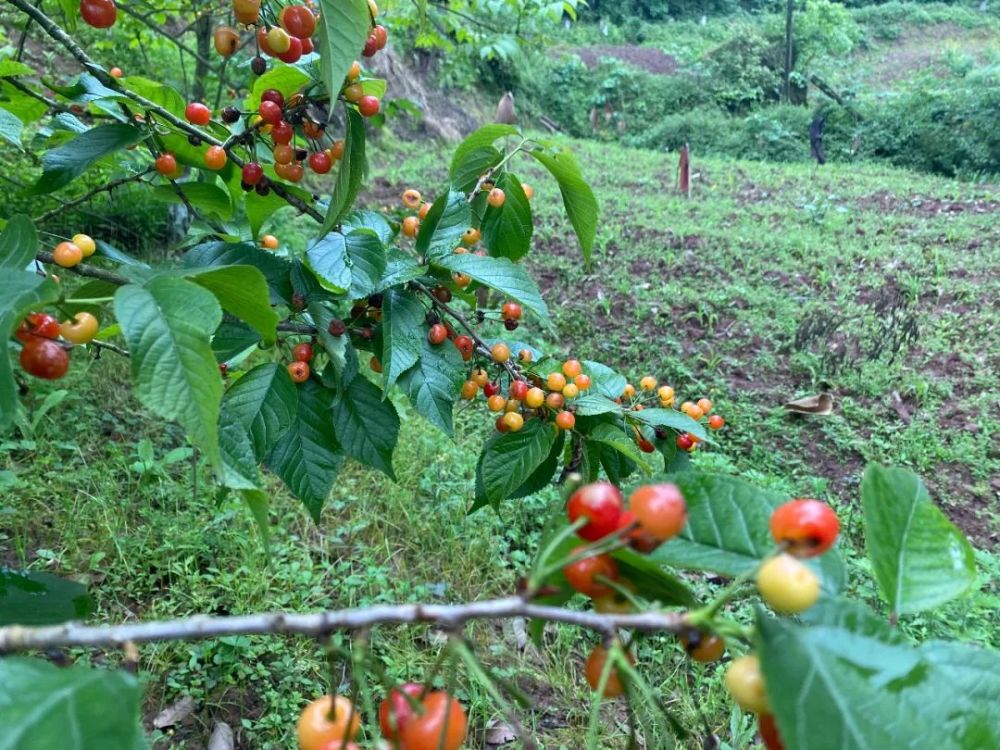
640	399
495	197
801	528
412	717
274	123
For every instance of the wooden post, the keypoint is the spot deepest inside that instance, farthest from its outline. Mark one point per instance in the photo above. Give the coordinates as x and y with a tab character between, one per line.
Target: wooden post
789	10
684	171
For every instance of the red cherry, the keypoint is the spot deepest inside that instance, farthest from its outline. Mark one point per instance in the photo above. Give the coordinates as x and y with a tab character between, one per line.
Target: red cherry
320	162
660	510
43	325
769	732
437	334
197	113
381	36
299	371
582	574
371	46
302	352
270	112
491	389
638	539
466	346
294	51
307	45
600	503
252	173
298	21
44	358
684	441
519	389
101	14
368	106
807	527
511	311
282	133
395	711
273	95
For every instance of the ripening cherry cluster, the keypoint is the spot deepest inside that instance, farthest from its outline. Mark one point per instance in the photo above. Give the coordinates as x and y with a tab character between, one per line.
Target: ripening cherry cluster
649	393
410	225
802	528
292	128
412	717
42	355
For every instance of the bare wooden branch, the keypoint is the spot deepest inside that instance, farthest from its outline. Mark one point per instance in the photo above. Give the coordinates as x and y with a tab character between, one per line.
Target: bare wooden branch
445	616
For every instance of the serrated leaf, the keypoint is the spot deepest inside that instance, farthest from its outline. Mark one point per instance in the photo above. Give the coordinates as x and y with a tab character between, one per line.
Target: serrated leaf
43	707
168	325
510	459
578	198
63	164
107	250
615	437
31	597
442	229
507	230
259	503
500	274
399	268
308	456
18	243
10	127
276	270
476	154
243	292
239	464
728	529
366	425
542	476
352	167
203	196
367	256
919	558
264	402
342	29
326	257
231	339
339	348
370	220
604	380
433	383
403	333
158	93
287	79
593	404
673	419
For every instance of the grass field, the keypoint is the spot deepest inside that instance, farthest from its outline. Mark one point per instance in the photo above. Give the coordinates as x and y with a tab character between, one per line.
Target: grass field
878	286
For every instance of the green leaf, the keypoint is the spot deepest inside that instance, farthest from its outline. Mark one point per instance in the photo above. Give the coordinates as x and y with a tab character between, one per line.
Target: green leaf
10	127
510	459
264	402
442	229
19	292
242	291
919	558
352	165
107	250
542	476
43	707
15	68
594	404
367	256
339	348
578	198
652	581
604	380
403	333
728	529
284	78
276	270
327	259
156	92
673	419
476	154
204	196
343	29
367	426
168	326
308	456
433	383
399	268
34	598
507	230
62	165
615	437
25	107
369	220
231	339
500	274
18	243
873	690
259	503
239	464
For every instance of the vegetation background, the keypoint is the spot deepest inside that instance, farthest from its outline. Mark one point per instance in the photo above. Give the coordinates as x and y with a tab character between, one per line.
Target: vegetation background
874	277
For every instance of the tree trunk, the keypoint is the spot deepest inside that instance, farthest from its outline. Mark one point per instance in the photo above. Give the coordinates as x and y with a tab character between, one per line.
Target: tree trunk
203	37
789	10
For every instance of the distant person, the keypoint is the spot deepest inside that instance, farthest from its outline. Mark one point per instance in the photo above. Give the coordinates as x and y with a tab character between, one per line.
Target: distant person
816	139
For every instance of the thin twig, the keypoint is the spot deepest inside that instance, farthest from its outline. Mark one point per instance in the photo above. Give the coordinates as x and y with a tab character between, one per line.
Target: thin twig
82	269
446	616
106	188
110	347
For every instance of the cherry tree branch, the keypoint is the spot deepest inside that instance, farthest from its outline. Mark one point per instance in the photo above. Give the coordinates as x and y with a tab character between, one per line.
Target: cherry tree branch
105	188
91	272
56	32
444	616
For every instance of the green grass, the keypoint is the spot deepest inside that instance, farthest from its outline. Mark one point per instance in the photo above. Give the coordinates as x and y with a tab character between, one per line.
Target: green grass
707	294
